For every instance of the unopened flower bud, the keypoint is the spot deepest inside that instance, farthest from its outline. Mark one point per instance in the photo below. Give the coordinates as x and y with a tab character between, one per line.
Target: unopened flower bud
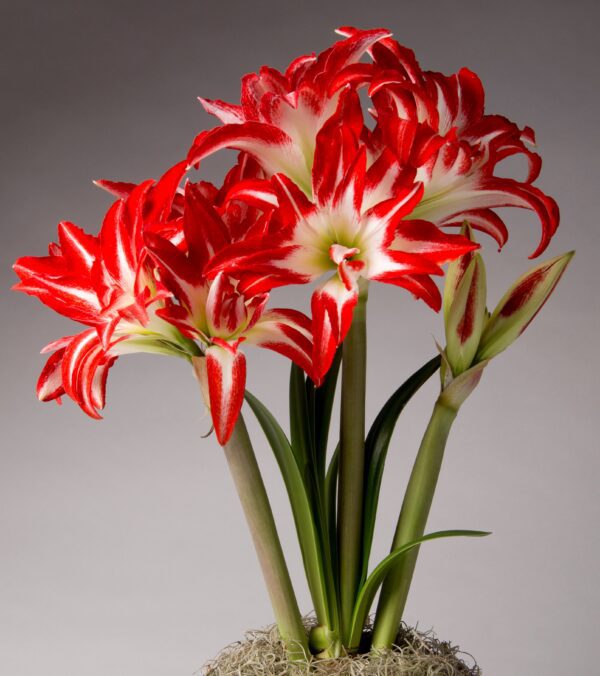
466	317
520	305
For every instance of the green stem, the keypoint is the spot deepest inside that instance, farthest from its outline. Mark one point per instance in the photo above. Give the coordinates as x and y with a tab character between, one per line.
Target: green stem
352	461
411	524
255	502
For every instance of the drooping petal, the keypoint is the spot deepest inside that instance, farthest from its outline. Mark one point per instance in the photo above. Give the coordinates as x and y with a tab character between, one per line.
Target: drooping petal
422	287
49	385
83	378
493	193
226	378
483	220
332	306
287	332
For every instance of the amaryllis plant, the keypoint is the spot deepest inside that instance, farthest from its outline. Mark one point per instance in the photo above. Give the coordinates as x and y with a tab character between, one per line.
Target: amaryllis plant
331	190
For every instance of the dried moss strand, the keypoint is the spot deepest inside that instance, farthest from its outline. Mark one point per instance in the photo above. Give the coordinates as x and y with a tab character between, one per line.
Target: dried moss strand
416	653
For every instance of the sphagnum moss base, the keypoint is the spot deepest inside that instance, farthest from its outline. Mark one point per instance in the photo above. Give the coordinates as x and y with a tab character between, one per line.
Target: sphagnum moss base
416	653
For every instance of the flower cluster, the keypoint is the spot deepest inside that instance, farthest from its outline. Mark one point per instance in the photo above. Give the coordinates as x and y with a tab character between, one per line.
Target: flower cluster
323	187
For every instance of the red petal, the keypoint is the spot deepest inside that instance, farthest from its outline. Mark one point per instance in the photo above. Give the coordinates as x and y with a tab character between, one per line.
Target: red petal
228	113
252	137
226	373
332	308
49	385
483	220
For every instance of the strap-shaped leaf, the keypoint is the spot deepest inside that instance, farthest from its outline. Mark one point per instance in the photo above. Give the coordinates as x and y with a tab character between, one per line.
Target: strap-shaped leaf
301	507
376	447
331	479
300	422
368	590
323	405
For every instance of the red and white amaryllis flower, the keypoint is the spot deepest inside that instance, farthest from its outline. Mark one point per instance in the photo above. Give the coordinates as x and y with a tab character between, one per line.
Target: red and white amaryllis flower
437	128
104	282
281	114
434	124
140	287
226	311
355	227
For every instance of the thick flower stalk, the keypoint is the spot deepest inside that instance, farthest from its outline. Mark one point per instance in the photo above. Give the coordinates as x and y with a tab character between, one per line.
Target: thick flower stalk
473	338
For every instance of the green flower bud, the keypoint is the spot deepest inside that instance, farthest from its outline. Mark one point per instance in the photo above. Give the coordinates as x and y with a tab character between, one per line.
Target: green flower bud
456	270
466	317
520	305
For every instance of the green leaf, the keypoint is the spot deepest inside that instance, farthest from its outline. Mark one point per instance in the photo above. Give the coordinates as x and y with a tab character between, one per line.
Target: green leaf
308	536
376	447
324	397
300	431
369	588
330	501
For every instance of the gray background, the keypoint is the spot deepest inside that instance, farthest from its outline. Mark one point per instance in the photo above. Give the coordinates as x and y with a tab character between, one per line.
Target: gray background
123	546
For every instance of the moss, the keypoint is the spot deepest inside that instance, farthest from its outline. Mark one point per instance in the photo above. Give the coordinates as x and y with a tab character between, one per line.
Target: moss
416	653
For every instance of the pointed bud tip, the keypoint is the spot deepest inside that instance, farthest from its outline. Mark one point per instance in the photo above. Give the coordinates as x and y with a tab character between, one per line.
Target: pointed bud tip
521	304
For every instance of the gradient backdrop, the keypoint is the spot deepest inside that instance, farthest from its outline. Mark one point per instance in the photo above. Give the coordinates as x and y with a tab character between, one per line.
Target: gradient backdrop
124	550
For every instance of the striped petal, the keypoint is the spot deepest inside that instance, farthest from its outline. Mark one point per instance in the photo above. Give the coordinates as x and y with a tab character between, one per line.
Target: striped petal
493	193
332	306
50	385
483	220
287	332
222	375
85	367
422	288
228	113
271	146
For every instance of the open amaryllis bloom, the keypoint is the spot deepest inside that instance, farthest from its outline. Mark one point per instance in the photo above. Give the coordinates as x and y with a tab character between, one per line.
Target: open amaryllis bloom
437	128
281	114
112	284
225	311
104	282
434	124
355	227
